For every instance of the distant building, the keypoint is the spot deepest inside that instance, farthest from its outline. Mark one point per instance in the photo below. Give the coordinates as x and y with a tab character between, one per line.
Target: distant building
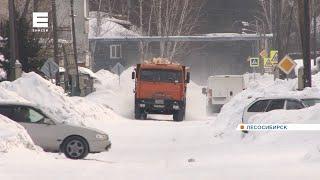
106	54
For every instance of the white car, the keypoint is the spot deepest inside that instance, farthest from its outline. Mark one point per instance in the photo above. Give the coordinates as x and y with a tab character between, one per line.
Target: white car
74	141
262	105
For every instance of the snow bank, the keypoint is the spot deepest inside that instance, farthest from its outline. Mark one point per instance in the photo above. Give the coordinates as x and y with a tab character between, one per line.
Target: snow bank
13	136
109	92
264	86
52	99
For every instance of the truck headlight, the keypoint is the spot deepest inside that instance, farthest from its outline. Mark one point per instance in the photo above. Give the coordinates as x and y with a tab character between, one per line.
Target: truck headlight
142	105
102	136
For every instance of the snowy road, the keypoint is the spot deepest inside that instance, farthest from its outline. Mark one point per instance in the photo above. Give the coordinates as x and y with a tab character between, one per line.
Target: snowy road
198	148
166	150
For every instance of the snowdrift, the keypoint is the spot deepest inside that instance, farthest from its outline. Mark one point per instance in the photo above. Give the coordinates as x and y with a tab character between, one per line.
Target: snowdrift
13	136
264	86
50	98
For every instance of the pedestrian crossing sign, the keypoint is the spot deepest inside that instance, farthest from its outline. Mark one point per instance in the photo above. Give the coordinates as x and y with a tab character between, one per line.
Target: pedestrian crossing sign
254	62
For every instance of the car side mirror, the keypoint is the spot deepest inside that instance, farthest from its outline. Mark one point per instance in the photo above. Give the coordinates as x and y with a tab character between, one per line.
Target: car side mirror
188	77
48	121
204	91
133	75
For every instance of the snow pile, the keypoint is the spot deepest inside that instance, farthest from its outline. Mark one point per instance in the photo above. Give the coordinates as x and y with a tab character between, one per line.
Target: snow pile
109	92
13	135
110	27
264	86
52	99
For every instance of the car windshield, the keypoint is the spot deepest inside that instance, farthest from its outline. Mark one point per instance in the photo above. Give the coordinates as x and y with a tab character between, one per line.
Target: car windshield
159	75
311	102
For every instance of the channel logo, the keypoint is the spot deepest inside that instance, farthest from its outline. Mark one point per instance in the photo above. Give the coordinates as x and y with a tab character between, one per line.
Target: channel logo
40	22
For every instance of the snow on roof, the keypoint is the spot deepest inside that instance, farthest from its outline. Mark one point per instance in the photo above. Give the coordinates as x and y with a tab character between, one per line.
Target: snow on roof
110	27
87	71
62	69
222	34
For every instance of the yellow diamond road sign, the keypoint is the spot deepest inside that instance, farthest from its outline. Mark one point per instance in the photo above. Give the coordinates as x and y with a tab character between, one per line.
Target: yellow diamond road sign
263	53
287	64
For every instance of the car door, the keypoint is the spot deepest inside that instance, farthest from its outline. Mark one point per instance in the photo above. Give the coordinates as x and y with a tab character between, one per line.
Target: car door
257	107
276	104
42	130
292	104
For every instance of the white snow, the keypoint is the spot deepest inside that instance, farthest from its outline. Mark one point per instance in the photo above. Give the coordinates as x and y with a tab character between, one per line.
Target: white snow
87	71
198	148
13	136
3	74
300	64
52	99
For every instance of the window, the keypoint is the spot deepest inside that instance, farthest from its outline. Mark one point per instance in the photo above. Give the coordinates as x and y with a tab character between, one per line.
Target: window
115	51
294	104
311	102
259	106
275	104
27	115
154	75
6	111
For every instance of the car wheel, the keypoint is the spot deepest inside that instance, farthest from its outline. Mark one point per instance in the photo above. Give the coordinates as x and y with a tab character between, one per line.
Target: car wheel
75	147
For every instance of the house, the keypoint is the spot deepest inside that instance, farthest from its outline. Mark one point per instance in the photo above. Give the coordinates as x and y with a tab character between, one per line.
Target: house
107	53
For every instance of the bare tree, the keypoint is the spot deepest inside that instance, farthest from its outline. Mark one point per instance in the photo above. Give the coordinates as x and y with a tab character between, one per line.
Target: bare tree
169	18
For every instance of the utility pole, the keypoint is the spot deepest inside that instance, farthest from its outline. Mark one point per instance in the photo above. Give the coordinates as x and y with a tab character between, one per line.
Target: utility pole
55	38
13	45
315	32
278	44
77	88
304	23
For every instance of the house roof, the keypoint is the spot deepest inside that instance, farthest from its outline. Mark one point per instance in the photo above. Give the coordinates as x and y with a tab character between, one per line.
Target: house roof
110	26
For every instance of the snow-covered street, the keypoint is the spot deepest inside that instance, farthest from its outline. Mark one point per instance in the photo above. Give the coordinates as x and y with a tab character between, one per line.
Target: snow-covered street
200	147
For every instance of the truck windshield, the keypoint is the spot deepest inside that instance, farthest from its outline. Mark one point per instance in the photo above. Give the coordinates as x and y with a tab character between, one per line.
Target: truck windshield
156	75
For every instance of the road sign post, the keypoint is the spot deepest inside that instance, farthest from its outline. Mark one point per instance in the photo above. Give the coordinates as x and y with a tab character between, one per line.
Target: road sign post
50	68
118	69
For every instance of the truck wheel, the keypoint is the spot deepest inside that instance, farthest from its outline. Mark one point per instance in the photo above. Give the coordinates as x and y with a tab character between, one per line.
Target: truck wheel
178	116
137	115
140	115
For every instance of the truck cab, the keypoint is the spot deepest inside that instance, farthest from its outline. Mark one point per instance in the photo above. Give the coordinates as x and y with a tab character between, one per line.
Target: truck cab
160	88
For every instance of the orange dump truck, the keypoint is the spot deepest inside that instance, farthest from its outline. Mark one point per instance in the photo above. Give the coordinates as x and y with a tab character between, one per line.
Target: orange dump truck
160	88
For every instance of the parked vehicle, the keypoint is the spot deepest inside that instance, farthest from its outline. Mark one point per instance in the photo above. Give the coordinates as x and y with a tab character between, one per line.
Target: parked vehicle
262	105
160	88
74	141
220	89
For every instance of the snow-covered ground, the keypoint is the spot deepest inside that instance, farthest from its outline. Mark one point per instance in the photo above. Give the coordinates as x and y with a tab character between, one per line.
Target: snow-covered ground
199	148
